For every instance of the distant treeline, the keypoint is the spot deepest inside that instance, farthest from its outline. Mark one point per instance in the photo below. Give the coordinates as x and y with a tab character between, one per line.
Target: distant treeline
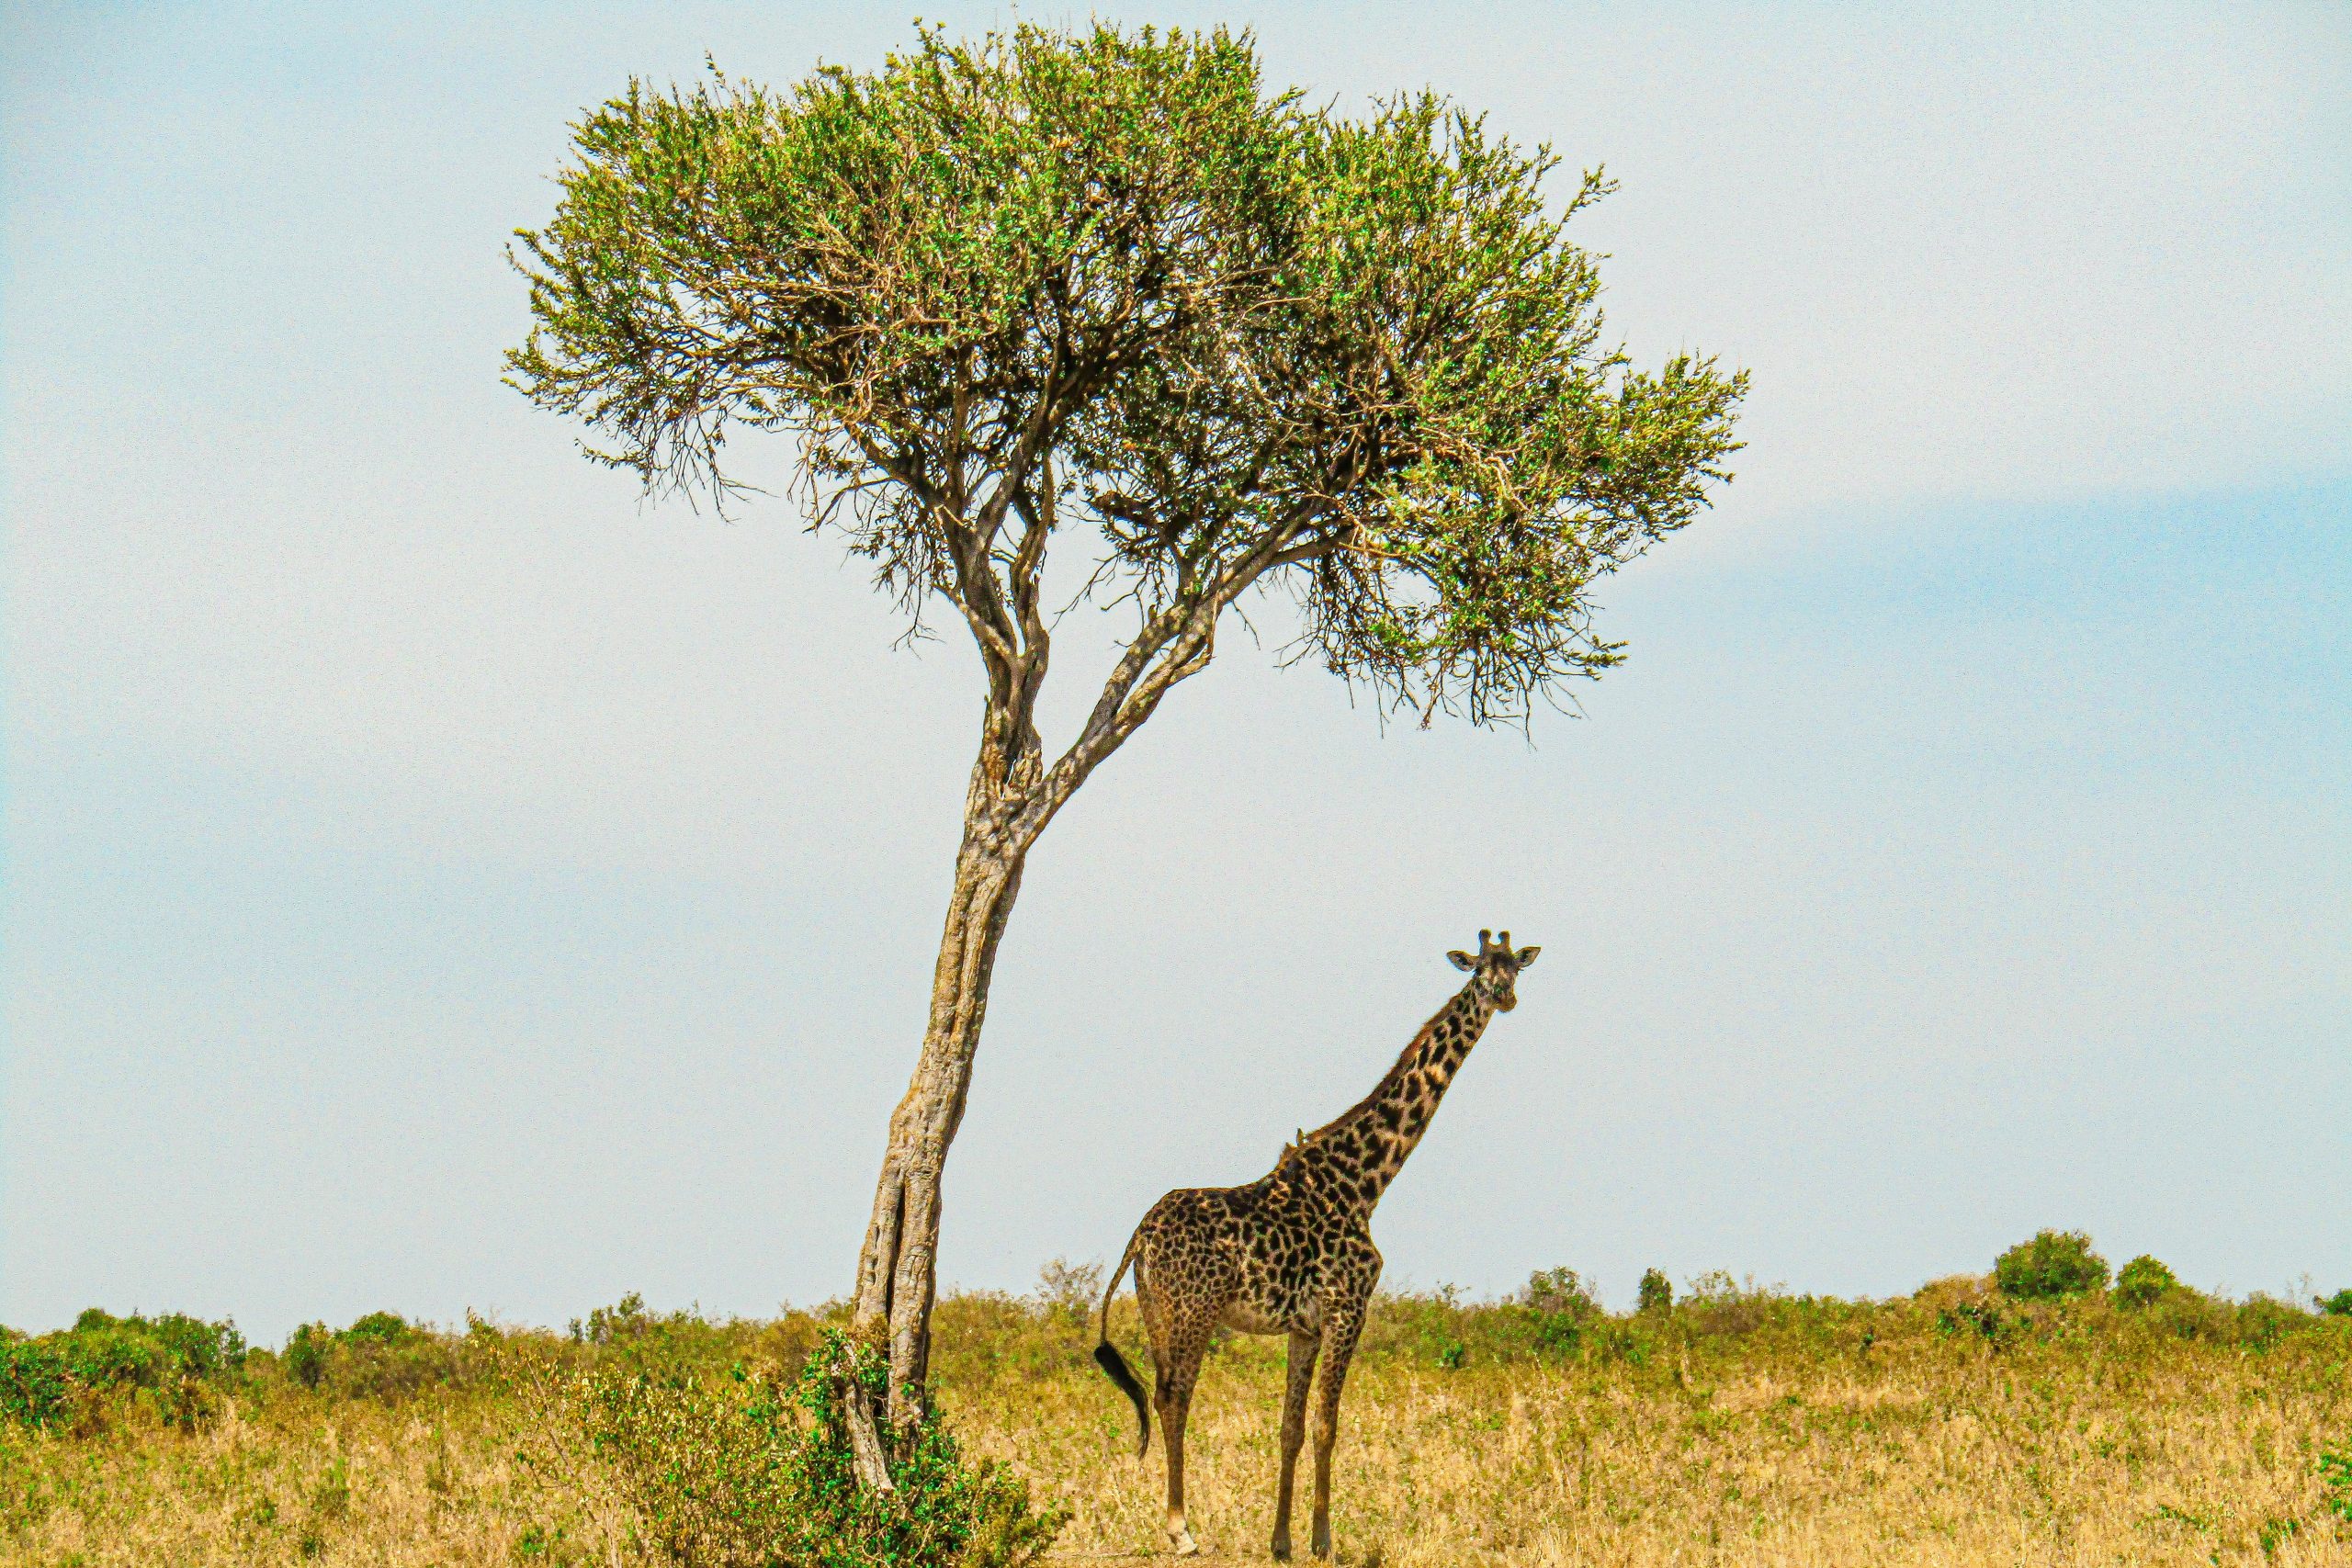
2050	1290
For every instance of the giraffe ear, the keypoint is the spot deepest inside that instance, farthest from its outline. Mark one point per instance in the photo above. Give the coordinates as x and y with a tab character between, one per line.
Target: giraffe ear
1462	960
1527	956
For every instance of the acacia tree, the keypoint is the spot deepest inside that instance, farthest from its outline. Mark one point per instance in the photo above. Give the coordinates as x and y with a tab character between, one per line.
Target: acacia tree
1105	283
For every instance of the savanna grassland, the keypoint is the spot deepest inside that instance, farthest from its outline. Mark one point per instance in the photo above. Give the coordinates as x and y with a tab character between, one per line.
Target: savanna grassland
1736	1426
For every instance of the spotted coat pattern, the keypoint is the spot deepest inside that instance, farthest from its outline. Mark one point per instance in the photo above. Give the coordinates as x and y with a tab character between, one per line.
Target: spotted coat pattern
1292	1252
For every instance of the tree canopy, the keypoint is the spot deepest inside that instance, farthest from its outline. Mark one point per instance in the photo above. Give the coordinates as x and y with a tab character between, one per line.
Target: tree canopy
1108	278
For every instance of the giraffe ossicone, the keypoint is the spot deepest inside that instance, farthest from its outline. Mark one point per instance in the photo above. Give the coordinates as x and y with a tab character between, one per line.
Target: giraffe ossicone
1290	1252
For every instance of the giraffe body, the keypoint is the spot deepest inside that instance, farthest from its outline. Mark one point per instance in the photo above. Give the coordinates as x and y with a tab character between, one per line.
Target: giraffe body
1292	1252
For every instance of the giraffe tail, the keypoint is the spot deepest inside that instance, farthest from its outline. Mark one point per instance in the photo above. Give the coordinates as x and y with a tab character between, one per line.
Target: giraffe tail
1107	1357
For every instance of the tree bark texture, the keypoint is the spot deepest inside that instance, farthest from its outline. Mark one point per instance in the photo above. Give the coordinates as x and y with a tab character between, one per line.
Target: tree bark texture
896	1271
898	1266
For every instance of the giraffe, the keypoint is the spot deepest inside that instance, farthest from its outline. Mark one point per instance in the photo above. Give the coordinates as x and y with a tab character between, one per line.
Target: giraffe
1290	1252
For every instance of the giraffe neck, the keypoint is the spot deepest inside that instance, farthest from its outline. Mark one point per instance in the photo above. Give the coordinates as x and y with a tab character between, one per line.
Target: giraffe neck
1351	1160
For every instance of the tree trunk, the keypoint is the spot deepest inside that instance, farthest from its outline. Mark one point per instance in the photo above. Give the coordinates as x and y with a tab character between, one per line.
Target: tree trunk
898	1266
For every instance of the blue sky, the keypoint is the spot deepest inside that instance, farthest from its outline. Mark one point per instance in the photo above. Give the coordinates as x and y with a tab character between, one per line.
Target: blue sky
435	879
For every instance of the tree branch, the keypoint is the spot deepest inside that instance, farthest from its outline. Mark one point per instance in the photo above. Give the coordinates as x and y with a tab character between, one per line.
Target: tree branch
1176	642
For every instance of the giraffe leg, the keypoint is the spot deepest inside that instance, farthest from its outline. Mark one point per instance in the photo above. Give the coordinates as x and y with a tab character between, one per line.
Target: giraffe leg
1303	1348
1341	1327
1173	1396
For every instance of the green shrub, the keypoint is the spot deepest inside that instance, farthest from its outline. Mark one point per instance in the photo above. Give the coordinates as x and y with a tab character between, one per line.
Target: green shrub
757	1473
385	1357
2053	1265
625	1320
682	1342
194	1347
169	1360
2143	1282
2192	1314
109	1354
1560	1304
33	1387
2337	1305
2263	1321
105	1351
380	1328
1985	1322
1623	1341
1657	1291
306	1354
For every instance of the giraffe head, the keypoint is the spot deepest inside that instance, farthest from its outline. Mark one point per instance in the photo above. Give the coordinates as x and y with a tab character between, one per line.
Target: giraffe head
1494	968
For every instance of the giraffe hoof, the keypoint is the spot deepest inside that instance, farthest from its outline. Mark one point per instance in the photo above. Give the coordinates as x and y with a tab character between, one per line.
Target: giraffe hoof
1281	1551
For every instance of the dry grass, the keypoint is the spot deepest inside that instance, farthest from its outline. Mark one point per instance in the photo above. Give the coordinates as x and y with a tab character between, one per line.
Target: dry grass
1744	1430
298	1479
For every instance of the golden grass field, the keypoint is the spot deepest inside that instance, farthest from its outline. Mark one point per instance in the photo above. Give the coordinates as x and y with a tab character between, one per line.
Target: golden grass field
1946	1429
